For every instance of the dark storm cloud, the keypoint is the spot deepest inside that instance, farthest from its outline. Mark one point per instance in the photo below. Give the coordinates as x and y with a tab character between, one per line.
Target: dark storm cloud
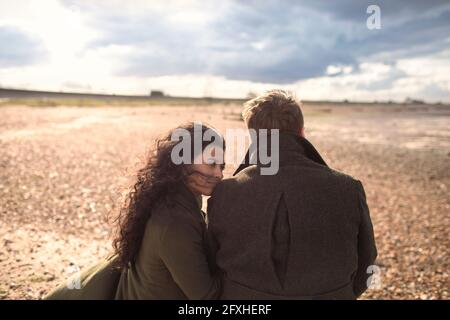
397	10
18	48
276	41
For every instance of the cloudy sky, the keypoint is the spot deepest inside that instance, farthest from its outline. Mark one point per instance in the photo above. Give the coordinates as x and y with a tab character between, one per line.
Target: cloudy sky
320	49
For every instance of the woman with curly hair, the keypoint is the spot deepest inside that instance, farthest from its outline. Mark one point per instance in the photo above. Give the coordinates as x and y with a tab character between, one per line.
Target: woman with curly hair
161	245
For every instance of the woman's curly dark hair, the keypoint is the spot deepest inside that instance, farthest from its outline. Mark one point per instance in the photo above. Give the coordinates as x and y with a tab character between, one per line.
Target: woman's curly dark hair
155	182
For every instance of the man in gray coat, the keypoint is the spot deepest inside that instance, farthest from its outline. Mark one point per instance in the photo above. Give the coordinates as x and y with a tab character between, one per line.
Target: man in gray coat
302	233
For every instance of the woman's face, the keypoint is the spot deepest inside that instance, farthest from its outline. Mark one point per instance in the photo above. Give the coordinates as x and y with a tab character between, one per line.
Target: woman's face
206	172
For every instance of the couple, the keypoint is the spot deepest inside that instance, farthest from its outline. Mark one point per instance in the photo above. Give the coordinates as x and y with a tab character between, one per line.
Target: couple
302	233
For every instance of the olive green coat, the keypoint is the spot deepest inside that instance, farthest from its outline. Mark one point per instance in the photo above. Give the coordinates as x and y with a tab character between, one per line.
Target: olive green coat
97	282
174	260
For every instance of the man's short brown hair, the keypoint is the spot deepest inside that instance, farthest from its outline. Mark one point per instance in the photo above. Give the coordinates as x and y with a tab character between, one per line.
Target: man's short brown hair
276	109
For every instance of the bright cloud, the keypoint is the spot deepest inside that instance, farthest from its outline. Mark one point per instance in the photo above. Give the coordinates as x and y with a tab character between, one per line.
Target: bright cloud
320	49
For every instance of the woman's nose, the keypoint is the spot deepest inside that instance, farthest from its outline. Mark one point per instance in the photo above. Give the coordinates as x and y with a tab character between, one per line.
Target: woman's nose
218	172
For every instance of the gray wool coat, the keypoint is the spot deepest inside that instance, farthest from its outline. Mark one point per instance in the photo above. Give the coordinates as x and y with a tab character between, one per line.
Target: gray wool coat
303	233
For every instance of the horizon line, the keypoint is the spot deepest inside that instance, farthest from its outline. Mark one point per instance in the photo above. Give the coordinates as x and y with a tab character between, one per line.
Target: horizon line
15	93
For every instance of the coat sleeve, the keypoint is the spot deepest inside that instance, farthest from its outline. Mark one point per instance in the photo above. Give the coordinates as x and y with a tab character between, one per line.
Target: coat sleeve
367	251
97	282
183	252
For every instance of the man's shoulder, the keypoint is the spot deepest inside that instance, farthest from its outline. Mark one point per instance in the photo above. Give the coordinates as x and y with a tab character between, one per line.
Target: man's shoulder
250	177
242	177
223	186
248	174
339	180
342	176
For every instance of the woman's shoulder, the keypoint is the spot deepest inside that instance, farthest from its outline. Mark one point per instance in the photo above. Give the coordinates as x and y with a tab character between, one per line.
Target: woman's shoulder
167	212
171	218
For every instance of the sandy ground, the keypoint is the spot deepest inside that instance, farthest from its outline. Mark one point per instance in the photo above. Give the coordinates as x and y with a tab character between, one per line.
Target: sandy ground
63	168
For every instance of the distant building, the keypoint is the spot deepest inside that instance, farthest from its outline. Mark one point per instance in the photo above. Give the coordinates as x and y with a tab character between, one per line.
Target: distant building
413	101
251	95
156	94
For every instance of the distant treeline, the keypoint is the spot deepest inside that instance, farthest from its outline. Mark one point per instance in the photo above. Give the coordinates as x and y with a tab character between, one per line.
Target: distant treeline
33	94
34	97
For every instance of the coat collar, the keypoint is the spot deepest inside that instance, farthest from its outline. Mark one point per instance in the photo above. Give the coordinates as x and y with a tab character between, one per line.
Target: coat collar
291	147
188	200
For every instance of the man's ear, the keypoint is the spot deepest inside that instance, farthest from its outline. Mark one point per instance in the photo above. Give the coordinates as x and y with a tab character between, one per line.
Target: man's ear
302	132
